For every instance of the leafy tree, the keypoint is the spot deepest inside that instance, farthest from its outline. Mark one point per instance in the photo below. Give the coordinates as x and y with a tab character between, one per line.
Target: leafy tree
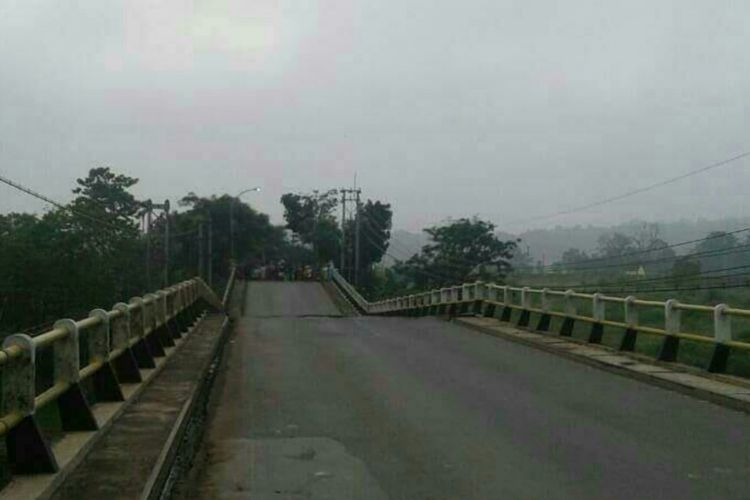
71	259
91	252
716	251
658	257
615	245
458	249
686	270
573	256
311	218
375	233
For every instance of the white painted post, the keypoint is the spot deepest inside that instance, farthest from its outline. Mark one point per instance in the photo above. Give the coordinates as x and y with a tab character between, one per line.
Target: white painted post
671	317
66	353
120	327
526	298
545	300
569	306
98	338
506	296
597	307
19	378
722	324
631	312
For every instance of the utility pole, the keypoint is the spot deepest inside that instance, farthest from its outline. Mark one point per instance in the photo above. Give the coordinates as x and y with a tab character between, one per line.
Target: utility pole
166	243
350	259
200	250
150	206
210	251
356	241
343	231
148	246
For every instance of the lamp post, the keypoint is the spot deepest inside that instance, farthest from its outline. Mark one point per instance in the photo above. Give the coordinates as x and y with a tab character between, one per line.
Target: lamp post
231	219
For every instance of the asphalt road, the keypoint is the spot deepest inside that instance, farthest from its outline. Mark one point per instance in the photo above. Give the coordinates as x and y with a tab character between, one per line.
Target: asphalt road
312	406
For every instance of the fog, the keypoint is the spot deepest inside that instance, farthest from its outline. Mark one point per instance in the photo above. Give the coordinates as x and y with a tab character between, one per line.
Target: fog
506	110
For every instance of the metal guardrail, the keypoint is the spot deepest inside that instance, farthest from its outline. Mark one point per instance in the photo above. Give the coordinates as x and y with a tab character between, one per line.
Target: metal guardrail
105	350
351	292
485	298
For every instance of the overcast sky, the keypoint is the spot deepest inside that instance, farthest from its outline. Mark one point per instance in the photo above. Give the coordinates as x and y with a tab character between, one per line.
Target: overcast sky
503	109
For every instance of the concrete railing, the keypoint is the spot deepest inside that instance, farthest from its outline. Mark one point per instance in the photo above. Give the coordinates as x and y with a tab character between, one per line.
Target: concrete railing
571	307
101	352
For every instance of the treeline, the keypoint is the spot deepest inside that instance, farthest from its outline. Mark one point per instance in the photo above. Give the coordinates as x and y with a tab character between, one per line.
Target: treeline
645	260
459	250
93	251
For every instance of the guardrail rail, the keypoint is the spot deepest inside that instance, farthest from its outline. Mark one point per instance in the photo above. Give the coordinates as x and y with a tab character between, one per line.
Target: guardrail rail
102	352
591	308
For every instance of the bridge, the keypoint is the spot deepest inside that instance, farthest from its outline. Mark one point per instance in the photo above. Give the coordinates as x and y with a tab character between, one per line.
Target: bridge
307	390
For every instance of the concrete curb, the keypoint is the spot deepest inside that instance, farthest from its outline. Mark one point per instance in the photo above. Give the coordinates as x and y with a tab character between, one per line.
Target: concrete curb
159	484
42	487
733	396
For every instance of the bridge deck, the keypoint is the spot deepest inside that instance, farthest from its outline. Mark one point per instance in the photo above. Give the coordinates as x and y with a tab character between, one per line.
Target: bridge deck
320	407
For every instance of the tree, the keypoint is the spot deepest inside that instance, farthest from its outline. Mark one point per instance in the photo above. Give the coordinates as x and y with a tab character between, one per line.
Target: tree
573	256
86	254
458	249
716	251
375	233
615	245
657	258
686	270
311	218
256	239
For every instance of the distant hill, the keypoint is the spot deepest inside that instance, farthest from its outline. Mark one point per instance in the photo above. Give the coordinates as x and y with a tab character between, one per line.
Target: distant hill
548	245
404	244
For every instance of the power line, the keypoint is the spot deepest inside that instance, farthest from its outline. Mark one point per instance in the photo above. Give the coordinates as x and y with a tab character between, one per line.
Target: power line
701	274
635	191
583	263
450	261
417	270
57	204
677	289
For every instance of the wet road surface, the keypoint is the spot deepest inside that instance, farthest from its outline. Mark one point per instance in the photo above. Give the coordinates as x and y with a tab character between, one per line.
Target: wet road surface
314	406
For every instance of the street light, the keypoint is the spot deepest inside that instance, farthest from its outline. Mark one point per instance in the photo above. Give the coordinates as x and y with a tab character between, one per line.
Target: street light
231	217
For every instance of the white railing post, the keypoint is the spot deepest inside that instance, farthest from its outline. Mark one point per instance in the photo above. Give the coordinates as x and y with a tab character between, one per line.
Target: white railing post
526	298
722	324
671	342
631	312
106	384
545	300
631	321
66	353
120	328
75	412
25	441
672	317
98	337
569	306
597	307
722	336
19	378
598	311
